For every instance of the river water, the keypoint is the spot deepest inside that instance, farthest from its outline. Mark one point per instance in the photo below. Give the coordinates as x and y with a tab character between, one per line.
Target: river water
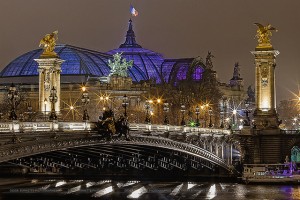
107	189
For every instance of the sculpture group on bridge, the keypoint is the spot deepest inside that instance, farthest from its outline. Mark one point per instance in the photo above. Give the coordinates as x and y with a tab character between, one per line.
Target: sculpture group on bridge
107	126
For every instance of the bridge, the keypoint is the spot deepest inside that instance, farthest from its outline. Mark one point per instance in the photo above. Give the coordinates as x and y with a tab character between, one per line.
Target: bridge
61	146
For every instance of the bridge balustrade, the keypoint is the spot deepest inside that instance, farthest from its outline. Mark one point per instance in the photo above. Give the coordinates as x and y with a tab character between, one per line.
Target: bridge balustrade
18	126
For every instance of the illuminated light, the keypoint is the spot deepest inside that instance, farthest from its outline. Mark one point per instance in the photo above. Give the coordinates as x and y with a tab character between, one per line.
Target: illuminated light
60	183
192	124
74	189
130	183
202	107
45	187
241	120
227	119
101	98
295	119
265	105
151	113
234	111
137	193
89	184
103	192
83	88
207	105
71	107
150	101
158	100
190	185
106	98
212	192
103	108
102	182
176	190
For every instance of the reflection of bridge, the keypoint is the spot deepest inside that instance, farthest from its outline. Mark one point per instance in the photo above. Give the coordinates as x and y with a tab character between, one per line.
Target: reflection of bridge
52	146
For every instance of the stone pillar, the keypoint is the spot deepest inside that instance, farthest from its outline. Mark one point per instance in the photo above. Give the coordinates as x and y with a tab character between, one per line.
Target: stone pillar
265	114
49	76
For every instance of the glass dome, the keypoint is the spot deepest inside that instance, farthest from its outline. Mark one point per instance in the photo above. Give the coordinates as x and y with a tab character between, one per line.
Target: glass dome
146	60
78	61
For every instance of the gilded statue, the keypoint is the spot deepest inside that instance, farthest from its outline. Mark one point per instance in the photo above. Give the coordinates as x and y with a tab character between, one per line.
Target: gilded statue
48	44
119	66
263	35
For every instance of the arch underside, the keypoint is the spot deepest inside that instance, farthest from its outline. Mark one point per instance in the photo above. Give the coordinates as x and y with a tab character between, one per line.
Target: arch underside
140	152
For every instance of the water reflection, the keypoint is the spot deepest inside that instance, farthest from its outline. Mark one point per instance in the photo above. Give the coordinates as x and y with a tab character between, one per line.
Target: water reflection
108	189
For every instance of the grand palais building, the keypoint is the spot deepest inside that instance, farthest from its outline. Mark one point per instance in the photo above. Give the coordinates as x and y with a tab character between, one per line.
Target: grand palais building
90	69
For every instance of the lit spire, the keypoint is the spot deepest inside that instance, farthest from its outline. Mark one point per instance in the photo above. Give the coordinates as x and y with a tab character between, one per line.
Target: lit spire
130	38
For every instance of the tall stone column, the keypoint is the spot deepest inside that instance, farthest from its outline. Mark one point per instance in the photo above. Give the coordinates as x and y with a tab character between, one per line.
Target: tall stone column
49	76
265	115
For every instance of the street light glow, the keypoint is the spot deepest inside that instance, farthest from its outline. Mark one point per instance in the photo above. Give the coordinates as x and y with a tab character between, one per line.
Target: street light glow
234	111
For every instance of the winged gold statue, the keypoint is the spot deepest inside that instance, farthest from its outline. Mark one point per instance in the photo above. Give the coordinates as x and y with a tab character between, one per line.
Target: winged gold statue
48	44
263	35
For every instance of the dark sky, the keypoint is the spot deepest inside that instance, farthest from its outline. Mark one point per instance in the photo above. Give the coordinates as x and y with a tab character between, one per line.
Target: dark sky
175	28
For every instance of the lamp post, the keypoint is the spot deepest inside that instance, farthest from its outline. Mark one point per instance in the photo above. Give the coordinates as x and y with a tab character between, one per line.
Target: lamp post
222	118
247	111
53	100
13	96
166	110
85	100
182	110
234	118
197	114
210	125
29	112
125	104
147	107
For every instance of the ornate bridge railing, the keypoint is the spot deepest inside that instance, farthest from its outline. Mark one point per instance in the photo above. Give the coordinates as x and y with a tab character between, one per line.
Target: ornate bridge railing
19	126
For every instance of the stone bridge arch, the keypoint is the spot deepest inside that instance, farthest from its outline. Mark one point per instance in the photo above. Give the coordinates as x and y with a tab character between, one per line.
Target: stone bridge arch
31	148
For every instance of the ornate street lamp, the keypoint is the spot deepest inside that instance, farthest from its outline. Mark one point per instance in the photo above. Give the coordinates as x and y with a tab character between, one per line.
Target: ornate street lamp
222	118
247	111
234	118
197	111
29	111
53	100
147	107
182	110
166	110
13	96
125	104
85	100
210	125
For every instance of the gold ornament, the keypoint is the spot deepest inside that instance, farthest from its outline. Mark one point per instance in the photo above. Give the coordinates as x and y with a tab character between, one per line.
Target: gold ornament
263	35
48	44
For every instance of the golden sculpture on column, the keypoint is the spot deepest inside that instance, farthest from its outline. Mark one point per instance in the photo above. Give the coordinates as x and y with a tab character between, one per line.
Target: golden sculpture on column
263	35
48	44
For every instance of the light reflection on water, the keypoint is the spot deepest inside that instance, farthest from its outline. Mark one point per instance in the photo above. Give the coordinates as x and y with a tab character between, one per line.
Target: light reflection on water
108	189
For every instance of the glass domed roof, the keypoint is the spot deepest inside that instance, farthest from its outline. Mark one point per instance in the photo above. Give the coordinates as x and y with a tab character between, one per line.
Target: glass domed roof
146	60
78	61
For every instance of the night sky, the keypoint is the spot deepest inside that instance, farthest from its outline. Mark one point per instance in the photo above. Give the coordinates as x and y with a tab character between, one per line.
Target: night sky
175	28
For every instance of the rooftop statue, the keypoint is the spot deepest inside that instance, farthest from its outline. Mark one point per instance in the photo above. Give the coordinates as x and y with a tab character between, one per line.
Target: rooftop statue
48	44
119	66
263	35
209	63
